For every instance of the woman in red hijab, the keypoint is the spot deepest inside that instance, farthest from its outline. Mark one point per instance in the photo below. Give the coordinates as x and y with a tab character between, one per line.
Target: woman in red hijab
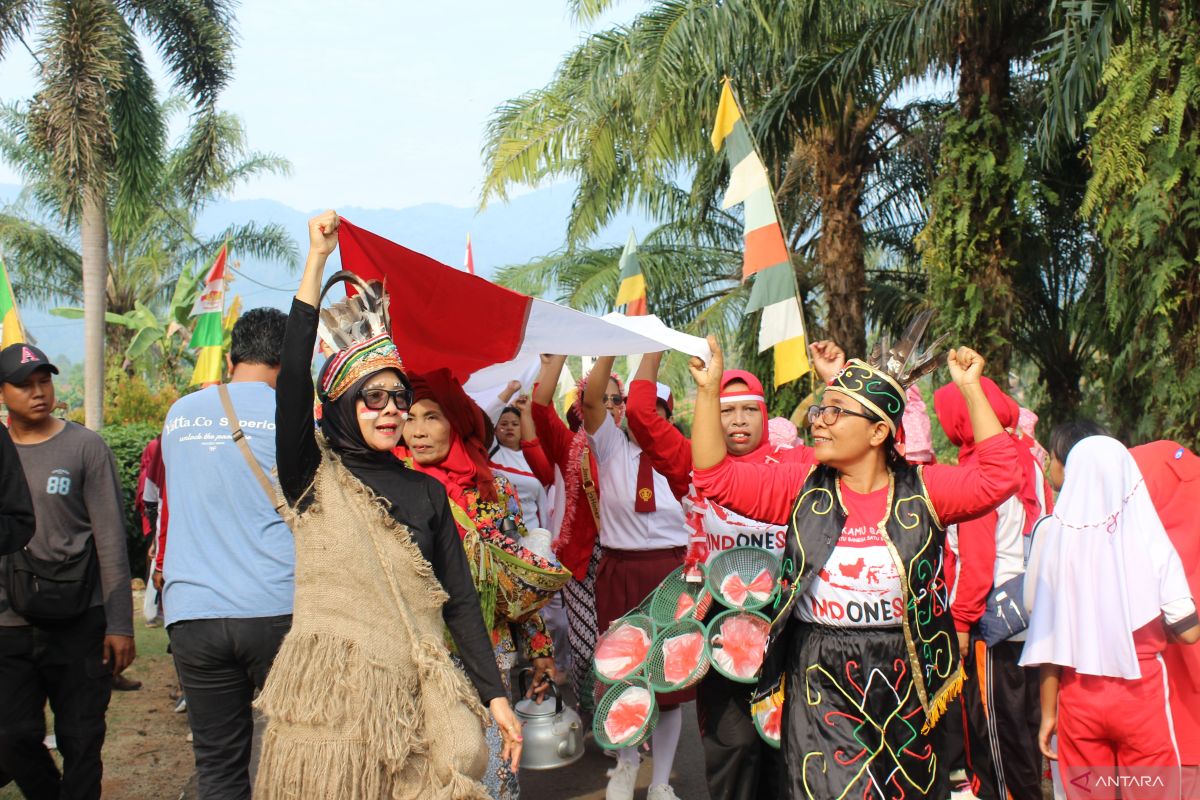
448	437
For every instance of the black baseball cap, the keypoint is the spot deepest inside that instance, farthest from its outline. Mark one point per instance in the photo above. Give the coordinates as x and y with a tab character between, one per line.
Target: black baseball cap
18	361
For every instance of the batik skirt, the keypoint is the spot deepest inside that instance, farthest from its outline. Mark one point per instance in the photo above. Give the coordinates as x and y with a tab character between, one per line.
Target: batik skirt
852	719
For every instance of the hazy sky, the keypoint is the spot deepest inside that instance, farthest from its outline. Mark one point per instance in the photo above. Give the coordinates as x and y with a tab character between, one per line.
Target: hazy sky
377	104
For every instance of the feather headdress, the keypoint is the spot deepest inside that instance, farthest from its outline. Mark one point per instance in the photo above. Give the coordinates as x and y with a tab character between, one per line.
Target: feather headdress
880	382
356	329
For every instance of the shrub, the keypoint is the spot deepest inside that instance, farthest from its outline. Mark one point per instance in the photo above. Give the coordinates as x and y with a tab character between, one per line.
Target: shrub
133	401
127	443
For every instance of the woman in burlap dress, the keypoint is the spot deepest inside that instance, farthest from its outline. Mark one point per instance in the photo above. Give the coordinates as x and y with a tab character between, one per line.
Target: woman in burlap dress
363	700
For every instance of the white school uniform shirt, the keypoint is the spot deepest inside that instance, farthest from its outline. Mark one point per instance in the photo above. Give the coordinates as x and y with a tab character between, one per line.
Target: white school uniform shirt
622	528
531	495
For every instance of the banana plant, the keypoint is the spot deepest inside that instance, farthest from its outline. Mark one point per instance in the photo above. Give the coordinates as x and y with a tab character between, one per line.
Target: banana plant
148	327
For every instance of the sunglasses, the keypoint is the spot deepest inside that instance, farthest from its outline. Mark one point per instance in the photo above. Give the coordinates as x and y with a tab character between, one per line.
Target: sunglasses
614	399
377	399
831	414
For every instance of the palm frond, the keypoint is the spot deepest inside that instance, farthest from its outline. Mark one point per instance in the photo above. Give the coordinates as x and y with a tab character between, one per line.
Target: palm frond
16	17
195	38
42	265
270	242
139	130
82	54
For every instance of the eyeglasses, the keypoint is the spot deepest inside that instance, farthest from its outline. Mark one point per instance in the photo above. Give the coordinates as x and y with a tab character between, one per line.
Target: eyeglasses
614	399
831	414
377	399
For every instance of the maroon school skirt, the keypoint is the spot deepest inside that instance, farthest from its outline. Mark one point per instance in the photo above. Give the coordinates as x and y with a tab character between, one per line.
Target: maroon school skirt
623	580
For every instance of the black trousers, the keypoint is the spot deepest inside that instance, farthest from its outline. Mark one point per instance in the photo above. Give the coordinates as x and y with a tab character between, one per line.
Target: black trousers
221	664
1003	716
738	764
63	665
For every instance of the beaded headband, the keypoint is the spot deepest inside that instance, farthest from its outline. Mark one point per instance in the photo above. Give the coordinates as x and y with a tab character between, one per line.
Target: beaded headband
347	367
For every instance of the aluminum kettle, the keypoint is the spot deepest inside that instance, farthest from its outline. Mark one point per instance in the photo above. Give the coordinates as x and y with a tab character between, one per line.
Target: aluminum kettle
553	733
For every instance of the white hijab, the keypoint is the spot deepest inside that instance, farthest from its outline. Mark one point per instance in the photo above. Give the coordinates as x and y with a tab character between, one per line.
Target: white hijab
1101	566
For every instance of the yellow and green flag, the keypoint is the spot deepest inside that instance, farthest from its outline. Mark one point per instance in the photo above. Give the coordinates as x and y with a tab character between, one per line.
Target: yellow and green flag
10	318
765	251
209	333
631	292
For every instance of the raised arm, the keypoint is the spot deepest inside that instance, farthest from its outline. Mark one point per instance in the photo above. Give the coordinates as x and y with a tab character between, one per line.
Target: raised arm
547	380
531	447
669	450
759	491
962	492
708	440
296	450
593	395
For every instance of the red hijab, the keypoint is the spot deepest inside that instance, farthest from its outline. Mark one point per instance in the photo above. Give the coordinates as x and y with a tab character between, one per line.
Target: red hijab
951	409
466	465
754	389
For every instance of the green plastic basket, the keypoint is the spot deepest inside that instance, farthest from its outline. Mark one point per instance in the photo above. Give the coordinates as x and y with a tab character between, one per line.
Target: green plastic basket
665	601
714	629
747	562
639	621
656	663
766	737
605	705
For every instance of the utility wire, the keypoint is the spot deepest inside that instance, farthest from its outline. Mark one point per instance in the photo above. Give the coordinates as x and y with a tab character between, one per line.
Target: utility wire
188	233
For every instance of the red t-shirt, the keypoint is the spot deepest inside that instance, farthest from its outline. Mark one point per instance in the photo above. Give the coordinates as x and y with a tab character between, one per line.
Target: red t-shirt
859	586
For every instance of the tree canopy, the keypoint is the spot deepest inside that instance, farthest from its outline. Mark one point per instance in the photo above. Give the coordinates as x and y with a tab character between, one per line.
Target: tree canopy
1039	195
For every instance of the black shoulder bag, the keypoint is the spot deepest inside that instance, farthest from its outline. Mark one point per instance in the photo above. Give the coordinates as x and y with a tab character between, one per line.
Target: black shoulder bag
44	591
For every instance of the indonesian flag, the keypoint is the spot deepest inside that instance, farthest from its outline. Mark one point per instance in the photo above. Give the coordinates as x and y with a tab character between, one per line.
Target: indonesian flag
209	334
469	258
485	334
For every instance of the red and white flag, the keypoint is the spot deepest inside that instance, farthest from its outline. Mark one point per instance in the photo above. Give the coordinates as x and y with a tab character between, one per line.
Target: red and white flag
212	296
485	334
469	258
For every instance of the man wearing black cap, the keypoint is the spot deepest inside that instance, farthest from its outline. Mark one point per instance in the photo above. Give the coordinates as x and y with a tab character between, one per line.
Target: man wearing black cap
62	647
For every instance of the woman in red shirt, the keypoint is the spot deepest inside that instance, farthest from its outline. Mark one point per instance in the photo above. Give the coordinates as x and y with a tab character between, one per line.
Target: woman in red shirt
862	658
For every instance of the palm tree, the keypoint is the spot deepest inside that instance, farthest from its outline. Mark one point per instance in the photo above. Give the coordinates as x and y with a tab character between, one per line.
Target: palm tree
974	216
629	110
95	119
152	242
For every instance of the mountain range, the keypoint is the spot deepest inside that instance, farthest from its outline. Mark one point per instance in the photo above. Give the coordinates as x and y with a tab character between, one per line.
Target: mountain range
515	232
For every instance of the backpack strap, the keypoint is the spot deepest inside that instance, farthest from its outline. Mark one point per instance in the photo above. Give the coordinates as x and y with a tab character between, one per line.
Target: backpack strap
239	438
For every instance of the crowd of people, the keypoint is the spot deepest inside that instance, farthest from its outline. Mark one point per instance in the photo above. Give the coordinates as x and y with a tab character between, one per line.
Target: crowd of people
318	563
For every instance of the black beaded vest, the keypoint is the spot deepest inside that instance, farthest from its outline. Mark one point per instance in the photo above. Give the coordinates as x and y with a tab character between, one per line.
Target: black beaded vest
915	537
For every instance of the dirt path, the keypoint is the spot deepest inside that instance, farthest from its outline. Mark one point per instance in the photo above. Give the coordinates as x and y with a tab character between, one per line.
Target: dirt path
146	752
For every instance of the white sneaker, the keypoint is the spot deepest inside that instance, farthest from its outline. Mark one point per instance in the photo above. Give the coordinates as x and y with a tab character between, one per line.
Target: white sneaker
621	781
661	791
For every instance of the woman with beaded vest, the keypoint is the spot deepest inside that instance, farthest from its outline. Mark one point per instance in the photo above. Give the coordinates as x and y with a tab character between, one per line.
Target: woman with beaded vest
738	764
363	699
862	657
